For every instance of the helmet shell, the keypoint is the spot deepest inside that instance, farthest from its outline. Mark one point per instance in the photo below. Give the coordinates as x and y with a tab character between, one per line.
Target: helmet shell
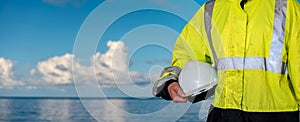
197	77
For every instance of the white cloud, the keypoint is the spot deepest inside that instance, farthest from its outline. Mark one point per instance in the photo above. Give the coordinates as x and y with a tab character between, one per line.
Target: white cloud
57	70
7	75
116	57
75	3
108	68
32	71
113	65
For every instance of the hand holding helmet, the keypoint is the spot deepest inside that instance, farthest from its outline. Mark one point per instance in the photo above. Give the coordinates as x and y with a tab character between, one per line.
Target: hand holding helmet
195	79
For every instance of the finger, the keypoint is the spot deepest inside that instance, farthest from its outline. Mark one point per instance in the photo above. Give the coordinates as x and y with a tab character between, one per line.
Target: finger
172	92
176	87
180	92
179	99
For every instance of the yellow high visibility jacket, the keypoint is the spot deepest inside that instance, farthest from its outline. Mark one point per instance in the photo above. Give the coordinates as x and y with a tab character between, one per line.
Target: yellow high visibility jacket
256	51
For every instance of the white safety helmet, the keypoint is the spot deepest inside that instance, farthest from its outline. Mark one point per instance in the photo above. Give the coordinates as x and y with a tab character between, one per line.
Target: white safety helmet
197	77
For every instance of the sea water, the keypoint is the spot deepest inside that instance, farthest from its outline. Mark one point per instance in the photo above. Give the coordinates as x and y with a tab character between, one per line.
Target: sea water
90	110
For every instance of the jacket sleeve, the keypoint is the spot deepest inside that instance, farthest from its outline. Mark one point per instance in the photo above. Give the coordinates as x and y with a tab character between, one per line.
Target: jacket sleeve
190	45
294	48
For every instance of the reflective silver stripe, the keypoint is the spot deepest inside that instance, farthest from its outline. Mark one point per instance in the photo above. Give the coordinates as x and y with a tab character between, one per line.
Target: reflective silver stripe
271	64
176	70
159	83
278	31
162	80
230	63
251	63
209	6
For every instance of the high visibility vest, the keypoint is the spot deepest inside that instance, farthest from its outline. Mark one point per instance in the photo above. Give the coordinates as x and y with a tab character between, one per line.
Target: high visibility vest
256	51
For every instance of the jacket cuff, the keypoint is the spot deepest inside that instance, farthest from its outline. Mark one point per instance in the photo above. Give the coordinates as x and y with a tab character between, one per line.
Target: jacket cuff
168	76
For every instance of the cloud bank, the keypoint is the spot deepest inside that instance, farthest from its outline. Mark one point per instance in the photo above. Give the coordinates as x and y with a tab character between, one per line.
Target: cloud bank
108	68
7	75
113	65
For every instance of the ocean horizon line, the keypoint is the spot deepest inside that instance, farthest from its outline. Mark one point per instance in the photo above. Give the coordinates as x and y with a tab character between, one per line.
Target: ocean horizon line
53	97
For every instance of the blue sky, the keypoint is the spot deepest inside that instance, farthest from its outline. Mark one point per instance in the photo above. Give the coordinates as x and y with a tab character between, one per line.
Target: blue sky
37	39
35	30
32	30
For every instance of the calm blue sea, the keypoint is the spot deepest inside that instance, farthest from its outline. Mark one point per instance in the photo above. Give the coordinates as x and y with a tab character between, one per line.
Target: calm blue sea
90	110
